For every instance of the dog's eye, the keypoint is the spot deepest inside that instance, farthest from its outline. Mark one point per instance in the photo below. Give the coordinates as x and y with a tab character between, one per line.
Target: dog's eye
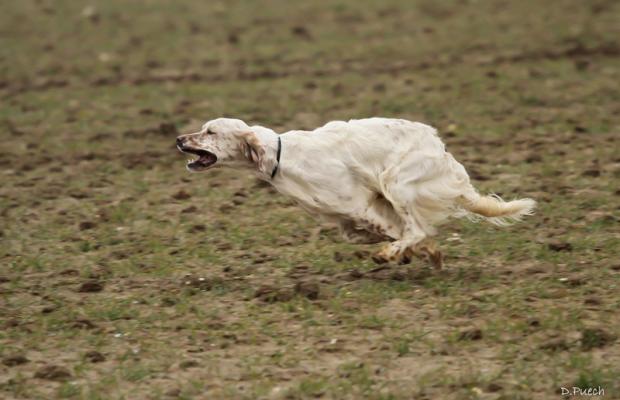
210	132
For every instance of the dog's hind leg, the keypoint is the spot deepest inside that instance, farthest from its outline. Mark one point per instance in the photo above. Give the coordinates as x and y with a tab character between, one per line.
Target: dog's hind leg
429	250
422	189
401	250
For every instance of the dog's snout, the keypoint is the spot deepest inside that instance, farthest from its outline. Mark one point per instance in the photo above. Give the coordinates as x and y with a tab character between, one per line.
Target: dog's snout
180	142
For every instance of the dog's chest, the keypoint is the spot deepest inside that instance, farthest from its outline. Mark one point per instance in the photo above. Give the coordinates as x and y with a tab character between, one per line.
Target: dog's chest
319	198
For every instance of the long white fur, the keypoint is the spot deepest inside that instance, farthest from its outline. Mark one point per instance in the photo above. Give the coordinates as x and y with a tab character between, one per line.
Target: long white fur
390	177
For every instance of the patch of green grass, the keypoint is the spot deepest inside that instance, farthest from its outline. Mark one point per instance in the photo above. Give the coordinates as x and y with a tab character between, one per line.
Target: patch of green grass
69	390
134	372
402	347
371	322
590	379
314	387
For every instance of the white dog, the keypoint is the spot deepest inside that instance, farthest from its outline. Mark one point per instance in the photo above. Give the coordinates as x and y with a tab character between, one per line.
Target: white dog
378	178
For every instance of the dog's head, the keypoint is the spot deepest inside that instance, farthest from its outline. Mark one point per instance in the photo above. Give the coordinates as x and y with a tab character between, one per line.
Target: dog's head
221	142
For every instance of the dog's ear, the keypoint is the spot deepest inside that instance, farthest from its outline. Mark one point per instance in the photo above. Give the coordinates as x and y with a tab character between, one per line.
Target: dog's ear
254	150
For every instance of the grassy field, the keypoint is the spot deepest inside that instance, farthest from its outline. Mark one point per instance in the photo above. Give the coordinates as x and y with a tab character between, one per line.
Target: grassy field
122	276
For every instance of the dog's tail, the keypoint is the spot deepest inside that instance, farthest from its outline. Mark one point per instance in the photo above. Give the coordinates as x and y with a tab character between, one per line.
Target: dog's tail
497	211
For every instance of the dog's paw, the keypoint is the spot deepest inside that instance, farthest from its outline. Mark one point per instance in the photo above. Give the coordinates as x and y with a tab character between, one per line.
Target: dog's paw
405	257
379	258
388	254
436	259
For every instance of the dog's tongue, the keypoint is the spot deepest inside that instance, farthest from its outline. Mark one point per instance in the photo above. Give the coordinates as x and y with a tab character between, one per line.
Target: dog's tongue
204	160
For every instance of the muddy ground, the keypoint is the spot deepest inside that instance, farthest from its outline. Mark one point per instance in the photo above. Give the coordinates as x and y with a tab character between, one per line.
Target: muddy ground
125	277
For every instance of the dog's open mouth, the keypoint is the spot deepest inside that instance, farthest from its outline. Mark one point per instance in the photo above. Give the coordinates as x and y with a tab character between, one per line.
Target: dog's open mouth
205	159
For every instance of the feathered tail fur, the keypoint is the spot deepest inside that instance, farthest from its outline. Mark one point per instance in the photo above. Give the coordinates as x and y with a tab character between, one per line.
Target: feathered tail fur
497	211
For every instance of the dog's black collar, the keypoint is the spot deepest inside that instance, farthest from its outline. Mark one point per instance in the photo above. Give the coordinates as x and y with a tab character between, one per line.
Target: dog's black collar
275	169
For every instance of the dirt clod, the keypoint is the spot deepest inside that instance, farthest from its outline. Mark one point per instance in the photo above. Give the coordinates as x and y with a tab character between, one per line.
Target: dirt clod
361	254
593	301
168	301
188	364
301	31
226	207
69	272
271	294
595	337
557	245
92	286
83	323
592	173
12	361
190	209
173	393
308	289
85	225
168	129
533	322
181	195
494	387
554	345
356	274
94	356
11	323
197	228
398	276
53	373
470	334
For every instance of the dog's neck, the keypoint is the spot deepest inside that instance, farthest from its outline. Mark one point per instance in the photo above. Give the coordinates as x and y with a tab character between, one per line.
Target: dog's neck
270	142
278	153
293	179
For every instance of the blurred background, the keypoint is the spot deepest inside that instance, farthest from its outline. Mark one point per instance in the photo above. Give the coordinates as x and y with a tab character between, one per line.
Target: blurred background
123	276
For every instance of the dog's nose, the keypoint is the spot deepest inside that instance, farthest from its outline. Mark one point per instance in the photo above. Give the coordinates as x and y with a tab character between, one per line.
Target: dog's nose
180	142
